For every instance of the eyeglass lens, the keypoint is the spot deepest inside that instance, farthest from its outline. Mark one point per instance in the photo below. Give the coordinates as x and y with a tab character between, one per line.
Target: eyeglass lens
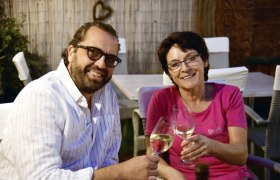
175	65
95	54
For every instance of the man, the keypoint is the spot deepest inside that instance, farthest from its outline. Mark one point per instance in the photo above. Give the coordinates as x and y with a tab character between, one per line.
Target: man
66	124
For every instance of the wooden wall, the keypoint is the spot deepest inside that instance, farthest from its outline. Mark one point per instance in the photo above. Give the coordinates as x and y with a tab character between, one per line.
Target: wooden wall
50	24
145	23
252	26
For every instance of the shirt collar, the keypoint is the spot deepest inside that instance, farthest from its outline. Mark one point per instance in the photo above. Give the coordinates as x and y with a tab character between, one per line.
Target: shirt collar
69	84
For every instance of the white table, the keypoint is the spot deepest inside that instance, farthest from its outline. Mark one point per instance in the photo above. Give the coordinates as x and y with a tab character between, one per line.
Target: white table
258	84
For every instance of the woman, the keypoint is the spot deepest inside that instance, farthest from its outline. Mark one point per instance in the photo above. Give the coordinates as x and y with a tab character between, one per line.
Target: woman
220	136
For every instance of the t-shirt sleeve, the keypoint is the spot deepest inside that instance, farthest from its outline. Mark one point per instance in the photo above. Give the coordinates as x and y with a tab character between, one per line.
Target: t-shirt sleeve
235	113
161	104
153	113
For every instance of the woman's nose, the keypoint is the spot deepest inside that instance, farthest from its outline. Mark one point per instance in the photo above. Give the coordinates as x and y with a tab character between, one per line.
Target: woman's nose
185	65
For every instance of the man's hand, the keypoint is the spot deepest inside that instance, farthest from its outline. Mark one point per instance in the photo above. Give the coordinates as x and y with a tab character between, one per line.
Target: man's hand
141	167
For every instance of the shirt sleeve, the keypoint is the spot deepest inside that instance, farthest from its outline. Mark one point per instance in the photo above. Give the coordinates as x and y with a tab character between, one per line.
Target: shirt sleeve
115	140
37	137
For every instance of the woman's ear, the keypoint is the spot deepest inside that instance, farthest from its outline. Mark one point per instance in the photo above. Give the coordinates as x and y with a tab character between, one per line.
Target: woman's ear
206	63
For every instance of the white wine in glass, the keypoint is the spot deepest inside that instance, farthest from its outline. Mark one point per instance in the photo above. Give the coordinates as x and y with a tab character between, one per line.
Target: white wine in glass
162	136
183	125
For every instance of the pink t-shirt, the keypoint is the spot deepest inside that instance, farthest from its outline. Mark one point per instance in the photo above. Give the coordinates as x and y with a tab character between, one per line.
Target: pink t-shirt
226	110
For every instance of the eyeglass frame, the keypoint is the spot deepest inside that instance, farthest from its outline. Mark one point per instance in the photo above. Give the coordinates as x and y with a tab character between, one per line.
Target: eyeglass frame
89	49
186	60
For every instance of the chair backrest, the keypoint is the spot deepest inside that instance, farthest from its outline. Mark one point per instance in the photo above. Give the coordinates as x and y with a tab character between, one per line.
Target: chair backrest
236	76
144	96
218	48
276	85
5	110
122	67
22	68
273	133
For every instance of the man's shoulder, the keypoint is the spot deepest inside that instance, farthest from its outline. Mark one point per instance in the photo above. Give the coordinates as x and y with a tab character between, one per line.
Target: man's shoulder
48	82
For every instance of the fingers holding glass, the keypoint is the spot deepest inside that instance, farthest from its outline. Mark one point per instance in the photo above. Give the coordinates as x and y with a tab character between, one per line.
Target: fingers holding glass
200	146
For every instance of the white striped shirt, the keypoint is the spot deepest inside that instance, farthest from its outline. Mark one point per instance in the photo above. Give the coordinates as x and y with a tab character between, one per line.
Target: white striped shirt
53	135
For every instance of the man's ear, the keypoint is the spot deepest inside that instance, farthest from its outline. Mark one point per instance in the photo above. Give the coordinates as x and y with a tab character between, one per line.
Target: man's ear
71	52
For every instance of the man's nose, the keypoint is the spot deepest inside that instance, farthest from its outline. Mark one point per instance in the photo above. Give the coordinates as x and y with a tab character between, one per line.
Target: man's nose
101	62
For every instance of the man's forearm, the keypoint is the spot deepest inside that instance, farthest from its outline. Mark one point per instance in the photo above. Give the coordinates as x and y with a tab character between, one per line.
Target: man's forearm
110	172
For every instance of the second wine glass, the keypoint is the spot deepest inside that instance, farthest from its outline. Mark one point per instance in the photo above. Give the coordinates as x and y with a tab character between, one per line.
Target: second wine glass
183	125
162	136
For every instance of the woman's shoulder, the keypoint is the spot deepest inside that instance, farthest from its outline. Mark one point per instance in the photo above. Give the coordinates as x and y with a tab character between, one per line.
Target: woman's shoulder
168	94
225	87
166	91
226	92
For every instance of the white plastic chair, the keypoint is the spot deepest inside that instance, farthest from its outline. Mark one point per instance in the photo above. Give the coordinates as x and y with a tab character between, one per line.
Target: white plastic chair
122	67
5	110
236	76
22	68
218	48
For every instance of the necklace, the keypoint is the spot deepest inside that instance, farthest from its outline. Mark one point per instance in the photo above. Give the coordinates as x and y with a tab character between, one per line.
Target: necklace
188	106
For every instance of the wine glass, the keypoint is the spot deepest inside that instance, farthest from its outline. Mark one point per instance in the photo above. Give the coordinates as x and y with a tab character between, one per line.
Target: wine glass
183	125
162	136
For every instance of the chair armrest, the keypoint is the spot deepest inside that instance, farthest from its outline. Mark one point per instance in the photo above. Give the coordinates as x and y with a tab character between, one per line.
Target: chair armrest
135	121
267	163
256	117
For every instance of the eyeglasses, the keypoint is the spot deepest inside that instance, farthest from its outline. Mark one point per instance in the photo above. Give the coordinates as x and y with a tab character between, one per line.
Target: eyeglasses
95	54
176	65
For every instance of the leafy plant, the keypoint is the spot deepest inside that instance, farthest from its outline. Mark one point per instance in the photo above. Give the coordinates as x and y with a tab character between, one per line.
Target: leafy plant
12	42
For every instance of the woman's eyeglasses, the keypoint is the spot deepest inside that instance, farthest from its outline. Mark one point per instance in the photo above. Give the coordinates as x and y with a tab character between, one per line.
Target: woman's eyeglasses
95	54
176	65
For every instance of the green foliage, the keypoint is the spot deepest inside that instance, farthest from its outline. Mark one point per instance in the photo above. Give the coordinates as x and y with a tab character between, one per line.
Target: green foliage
2	8
12	42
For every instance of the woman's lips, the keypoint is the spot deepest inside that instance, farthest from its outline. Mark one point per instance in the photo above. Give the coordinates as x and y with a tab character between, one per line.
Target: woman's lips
188	76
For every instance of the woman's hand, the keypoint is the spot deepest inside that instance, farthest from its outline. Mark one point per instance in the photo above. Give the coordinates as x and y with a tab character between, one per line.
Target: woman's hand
173	174
196	146
233	152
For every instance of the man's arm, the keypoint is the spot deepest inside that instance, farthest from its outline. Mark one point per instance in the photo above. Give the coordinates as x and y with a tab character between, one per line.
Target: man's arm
139	167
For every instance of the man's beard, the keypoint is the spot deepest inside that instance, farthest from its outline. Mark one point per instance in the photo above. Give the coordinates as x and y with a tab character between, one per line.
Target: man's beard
81	79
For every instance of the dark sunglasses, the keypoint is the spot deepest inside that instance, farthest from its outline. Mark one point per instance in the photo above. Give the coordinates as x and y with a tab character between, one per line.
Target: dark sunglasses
95	54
